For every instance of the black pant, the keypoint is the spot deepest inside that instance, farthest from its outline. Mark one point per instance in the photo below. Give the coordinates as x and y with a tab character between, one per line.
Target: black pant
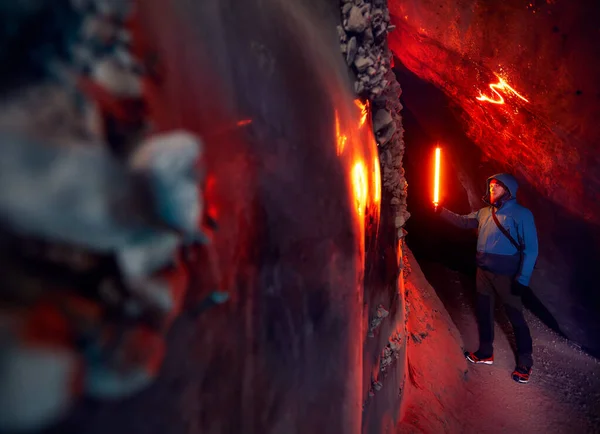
487	284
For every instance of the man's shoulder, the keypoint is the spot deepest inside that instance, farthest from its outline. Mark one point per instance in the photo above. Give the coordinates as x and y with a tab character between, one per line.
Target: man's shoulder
520	210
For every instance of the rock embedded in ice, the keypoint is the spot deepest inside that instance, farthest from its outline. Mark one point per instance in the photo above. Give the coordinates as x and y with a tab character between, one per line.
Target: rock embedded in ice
351	50
382	119
357	22
362	63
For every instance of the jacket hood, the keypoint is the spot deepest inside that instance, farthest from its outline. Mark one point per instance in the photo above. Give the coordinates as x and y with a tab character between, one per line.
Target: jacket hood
505	179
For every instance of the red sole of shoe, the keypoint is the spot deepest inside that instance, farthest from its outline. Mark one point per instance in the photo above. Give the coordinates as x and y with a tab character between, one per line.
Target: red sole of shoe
480	362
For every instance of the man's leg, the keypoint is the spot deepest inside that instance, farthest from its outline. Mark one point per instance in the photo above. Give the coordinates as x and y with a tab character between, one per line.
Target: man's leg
513	306
484	311
522	336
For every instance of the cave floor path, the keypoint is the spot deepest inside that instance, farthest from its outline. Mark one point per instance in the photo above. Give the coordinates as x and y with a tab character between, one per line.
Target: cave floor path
563	395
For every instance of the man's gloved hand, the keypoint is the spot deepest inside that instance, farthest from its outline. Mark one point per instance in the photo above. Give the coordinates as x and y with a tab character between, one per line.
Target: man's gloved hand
517	288
437	208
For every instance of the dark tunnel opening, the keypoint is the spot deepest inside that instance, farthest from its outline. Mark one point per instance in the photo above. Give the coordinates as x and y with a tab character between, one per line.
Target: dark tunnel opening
447	254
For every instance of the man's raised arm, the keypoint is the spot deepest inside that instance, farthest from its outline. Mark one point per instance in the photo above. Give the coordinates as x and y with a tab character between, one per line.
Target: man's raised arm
469	221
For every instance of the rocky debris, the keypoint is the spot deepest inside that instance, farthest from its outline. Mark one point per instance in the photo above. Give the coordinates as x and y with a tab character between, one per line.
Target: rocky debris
406	265
104	68
385	135
418	338
407	307
365	27
391	352
104	214
362	35
103	47
357	18
96	210
114	76
380	315
388	356
350	49
362	63
391	146
381	120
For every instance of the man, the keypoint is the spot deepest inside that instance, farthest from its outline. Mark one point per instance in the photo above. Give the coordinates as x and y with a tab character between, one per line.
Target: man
507	248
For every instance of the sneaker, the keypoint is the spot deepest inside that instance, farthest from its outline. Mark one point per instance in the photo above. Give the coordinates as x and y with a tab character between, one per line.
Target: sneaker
473	358
521	374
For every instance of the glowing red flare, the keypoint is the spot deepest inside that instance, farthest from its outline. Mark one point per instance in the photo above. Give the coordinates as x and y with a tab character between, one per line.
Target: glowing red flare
436	178
500	86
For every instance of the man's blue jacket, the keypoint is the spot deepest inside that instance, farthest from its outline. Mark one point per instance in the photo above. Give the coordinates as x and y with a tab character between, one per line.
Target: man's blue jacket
495	252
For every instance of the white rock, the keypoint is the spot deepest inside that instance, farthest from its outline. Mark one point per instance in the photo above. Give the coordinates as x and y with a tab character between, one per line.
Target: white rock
351	50
382	119
357	22
362	63
118	80
95	27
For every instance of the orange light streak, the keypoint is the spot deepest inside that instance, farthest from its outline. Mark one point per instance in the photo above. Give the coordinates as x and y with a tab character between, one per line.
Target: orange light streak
376	180
227	128
359	184
340	138
364	111
496	87
436	178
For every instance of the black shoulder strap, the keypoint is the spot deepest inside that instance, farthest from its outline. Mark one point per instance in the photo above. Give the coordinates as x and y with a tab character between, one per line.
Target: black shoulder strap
505	232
